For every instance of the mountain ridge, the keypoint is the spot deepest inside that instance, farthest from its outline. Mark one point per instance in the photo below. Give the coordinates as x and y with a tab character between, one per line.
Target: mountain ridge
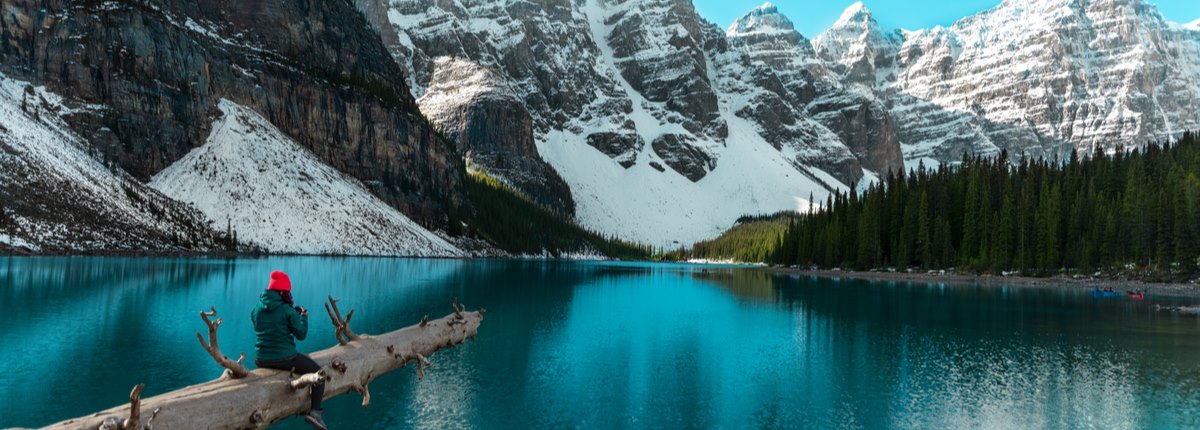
664	88
638	119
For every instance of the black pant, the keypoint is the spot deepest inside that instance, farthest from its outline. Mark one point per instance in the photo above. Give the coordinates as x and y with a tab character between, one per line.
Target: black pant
302	365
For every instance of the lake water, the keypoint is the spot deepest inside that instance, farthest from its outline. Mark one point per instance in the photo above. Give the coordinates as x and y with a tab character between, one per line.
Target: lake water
611	345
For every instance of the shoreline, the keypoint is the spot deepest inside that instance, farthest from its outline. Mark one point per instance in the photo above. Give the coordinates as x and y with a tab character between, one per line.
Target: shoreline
1178	290
7	253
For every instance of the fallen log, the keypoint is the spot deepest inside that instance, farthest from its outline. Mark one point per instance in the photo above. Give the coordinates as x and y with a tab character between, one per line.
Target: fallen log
266	396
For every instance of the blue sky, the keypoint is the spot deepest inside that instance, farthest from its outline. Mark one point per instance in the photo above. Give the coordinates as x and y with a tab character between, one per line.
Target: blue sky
814	16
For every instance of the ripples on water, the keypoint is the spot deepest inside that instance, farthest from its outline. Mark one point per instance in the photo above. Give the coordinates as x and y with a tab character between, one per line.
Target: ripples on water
590	345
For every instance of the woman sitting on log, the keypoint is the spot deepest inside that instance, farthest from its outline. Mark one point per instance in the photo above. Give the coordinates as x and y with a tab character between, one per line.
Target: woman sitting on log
276	322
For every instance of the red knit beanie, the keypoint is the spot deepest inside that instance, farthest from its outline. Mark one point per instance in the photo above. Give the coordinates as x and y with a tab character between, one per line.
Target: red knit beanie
280	282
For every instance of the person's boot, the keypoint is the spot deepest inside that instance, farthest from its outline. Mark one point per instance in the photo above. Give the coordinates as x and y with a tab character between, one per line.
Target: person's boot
316	419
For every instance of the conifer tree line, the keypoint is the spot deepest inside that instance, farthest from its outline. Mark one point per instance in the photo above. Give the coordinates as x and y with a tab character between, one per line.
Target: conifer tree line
512	221
752	239
1107	212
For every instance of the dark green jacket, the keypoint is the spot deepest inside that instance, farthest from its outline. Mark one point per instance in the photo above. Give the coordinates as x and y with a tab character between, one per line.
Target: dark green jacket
276	324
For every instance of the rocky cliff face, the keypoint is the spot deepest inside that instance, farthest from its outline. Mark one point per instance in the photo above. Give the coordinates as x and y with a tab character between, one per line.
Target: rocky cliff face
786	65
315	70
633	79
1038	77
865	57
592	69
527	48
648	85
858	49
492	129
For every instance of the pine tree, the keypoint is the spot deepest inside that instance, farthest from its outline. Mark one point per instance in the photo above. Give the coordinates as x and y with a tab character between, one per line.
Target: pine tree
906	248
925	244
4	221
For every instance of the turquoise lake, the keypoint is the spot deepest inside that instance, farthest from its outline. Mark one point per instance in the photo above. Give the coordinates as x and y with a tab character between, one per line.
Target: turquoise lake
616	345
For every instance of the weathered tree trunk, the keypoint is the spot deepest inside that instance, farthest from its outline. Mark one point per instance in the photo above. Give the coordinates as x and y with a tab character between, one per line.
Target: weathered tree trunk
267	396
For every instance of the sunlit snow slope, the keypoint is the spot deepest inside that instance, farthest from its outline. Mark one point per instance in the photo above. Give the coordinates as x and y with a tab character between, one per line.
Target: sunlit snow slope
274	193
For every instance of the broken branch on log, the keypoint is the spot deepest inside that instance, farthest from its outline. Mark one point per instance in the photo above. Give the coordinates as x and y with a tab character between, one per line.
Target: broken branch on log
234	369
262	398
308	379
153	415
458	312
135	408
422	363
458	309
361	388
341	327
135	412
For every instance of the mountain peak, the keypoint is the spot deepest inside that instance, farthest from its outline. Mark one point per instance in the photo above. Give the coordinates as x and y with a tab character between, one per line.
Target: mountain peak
1194	26
763	19
857	13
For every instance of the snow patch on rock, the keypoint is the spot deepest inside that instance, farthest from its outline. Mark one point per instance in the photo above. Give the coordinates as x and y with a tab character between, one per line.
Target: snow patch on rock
82	204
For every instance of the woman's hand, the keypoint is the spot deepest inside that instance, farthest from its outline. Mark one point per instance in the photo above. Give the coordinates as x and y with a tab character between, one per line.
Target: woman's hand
303	312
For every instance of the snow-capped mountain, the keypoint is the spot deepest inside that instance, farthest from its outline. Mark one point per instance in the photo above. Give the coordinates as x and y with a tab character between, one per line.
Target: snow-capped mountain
640	106
276	195
864	56
1045	76
1194	25
857	48
794	85
637	117
648	84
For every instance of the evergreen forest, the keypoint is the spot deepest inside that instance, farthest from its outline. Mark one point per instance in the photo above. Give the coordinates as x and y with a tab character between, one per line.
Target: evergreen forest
1131	213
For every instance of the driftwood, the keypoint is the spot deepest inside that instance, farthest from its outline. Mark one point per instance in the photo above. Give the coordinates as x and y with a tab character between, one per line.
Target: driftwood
266	396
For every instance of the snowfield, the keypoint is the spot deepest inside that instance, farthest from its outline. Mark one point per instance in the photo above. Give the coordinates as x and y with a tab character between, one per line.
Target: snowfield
665	209
274	193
